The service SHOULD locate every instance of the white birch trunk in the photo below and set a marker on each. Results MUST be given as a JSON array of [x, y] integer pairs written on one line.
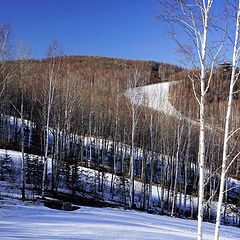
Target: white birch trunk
[[201, 153], [46, 150], [151, 162], [22, 153], [131, 200], [49, 106], [176, 172], [227, 125]]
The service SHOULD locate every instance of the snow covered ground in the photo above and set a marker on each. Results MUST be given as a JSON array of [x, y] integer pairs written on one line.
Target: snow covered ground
[[29, 221], [155, 96], [33, 221], [13, 190]]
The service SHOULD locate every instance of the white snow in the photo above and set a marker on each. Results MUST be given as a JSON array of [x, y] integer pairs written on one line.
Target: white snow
[[7, 191], [155, 96], [29, 221]]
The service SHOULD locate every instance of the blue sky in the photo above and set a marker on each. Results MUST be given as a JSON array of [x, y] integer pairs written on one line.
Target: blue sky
[[125, 29]]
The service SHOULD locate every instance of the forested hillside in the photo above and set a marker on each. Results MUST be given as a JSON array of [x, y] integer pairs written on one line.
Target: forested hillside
[[120, 120], [81, 88], [216, 99], [82, 137], [101, 144]]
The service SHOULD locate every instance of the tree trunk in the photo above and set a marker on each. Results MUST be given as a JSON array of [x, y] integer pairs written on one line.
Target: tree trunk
[[22, 152], [227, 125]]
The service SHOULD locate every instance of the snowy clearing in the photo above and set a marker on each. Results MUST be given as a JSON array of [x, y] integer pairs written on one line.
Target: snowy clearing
[[29, 221], [155, 96]]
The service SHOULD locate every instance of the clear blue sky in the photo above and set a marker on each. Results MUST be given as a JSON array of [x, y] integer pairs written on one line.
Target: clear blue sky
[[124, 29]]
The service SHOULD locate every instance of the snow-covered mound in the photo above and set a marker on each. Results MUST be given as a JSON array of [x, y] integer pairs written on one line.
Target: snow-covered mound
[[29, 221]]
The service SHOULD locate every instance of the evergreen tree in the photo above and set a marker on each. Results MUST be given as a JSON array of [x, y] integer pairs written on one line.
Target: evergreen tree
[[6, 166], [34, 171]]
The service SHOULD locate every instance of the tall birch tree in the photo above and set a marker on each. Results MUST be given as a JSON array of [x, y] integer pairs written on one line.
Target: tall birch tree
[[53, 69], [23, 68], [136, 100], [193, 19], [4, 56], [228, 134]]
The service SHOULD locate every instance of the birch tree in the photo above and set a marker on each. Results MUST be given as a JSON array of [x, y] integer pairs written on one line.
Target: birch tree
[[49, 93], [24, 64], [179, 137], [4, 56], [193, 19], [227, 161], [136, 100]]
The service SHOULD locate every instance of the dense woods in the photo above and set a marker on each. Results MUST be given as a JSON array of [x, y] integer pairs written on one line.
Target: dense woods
[[216, 98], [75, 112]]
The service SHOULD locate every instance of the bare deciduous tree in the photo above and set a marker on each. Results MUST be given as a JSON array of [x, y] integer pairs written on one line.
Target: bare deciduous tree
[[54, 62], [136, 100], [4, 56], [227, 158], [24, 65], [193, 18]]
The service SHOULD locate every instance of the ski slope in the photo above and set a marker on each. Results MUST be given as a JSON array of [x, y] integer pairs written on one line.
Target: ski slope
[[155, 96], [33, 221]]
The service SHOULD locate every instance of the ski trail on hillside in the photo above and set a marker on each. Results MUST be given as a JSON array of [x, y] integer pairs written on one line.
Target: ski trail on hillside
[[156, 96]]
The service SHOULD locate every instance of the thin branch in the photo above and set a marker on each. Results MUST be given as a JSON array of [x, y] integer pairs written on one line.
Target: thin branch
[[232, 161]]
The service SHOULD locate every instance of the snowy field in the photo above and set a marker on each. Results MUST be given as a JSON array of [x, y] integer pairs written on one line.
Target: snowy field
[[29, 221]]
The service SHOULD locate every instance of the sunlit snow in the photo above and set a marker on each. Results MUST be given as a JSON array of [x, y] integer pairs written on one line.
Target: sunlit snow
[[30, 221]]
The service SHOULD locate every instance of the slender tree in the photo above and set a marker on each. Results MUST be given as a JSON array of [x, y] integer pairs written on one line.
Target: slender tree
[[24, 66], [228, 134], [54, 63], [4, 56], [136, 100], [194, 18]]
